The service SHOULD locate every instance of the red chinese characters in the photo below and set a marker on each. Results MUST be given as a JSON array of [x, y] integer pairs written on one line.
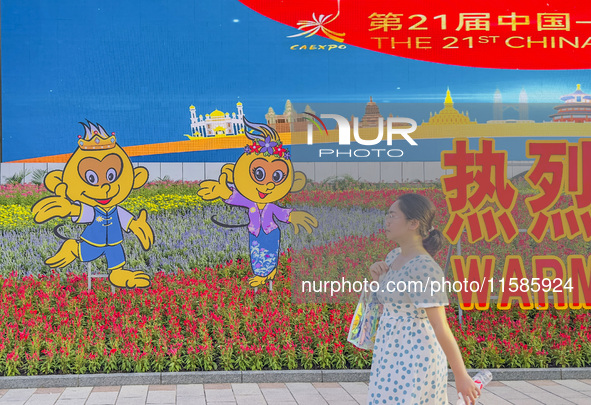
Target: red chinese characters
[[559, 167], [477, 186]]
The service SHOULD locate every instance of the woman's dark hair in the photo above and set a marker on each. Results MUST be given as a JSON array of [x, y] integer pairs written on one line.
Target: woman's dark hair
[[416, 206]]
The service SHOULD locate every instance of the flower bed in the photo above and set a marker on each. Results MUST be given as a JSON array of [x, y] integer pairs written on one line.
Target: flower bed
[[184, 239], [200, 320], [208, 318]]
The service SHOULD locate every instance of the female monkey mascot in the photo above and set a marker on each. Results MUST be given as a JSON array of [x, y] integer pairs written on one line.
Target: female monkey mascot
[[262, 175]]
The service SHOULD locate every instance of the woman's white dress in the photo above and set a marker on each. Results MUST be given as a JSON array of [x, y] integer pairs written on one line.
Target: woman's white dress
[[408, 365]]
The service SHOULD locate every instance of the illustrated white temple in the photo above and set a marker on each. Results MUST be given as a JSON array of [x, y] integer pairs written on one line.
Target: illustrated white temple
[[216, 123]]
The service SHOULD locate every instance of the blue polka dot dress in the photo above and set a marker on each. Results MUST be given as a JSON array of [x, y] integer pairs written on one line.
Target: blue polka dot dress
[[408, 365]]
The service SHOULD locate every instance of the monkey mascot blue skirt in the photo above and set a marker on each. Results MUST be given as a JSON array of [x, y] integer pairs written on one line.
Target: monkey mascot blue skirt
[[264, 252]]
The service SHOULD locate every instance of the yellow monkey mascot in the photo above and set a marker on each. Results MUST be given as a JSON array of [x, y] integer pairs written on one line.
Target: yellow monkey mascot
[[262, 175], [96, 179]]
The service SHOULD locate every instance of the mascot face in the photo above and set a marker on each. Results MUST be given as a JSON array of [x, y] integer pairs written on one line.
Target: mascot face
[[101, 178], [263, 179]]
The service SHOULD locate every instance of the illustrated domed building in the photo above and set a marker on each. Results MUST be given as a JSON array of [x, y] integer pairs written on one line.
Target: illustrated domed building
[[216, 123], [290, 120], [576, 107], [449, 115]]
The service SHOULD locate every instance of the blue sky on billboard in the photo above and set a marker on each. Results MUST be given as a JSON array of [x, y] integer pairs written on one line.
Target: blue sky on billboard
[[136, 69]]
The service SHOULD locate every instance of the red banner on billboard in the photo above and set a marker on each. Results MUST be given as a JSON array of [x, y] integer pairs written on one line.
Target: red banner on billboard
[[502, 34]]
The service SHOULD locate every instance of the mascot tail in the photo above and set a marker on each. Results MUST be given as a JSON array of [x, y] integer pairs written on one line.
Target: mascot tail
[[215, 221]]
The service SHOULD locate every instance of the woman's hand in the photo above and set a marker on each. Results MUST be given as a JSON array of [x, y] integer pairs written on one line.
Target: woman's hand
[[377, 269], [466, 386]]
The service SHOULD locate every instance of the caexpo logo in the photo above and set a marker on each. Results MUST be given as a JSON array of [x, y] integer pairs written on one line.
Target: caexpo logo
[[398, 126], [312, 27]]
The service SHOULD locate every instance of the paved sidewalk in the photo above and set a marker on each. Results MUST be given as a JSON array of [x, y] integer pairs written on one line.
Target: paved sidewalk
[[346, 393]]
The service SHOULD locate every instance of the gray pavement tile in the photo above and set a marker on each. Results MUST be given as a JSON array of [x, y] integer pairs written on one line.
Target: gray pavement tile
[[161, 397], [306, 393], [70, 402], [537, 393], [272, 385], [102, 398], [491, 399], [275, 395], [130, 401], [43, 399], [189, 390], [190, 401], [219, 395], [301, 388], [246, 389], [542, 383], [19, 393], [311, 400], [562, 391], [508, 393], [222, 403], [488, 398], [76, 393], [250, 399], [575, 385], [452, 394], [133, 391], [334, 394], [284, 403], [581, 400], [339, 402], [360, 398], [327, 385], [17, 396], [355, 387]]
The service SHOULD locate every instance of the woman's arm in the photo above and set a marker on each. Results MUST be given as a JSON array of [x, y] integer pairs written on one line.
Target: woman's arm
[[446, 339]]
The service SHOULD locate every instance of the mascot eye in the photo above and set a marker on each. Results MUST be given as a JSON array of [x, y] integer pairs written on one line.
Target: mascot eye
[[111, 175], [278, 175], [259, 173], [91, 177]]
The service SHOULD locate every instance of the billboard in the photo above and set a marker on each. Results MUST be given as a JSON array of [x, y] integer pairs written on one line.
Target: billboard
[[175, 81]]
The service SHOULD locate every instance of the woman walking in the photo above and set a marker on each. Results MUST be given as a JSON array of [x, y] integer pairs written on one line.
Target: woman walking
[[414, 342]]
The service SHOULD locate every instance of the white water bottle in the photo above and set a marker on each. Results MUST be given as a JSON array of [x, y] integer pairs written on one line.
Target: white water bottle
[[481, 379]]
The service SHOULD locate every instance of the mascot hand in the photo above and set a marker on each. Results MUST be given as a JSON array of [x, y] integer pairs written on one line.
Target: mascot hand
[[53, 206], [211, 189], [142, 230], [304, 219]]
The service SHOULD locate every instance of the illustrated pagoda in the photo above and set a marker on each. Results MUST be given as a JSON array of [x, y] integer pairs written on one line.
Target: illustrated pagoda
[[576, 107]]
